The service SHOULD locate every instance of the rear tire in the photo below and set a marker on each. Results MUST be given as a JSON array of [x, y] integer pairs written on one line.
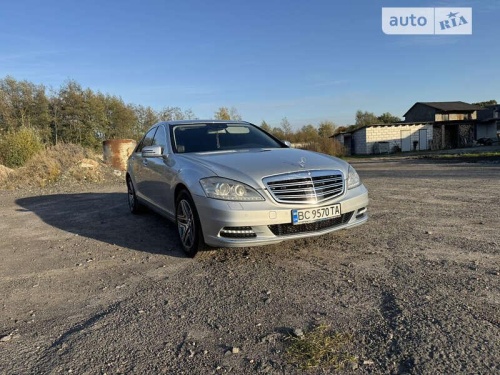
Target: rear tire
[[188, 224], [133, 203]]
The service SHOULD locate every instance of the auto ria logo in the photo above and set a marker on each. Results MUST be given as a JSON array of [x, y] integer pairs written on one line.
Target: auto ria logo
[[427, 21]]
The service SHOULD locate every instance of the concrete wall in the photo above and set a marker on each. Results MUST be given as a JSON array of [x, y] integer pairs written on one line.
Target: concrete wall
[[359, 142], [486, 130], [340, 138], [393, 135]]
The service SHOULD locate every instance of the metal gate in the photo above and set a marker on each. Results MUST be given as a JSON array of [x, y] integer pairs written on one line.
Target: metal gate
[[405, 140], [422, 139]]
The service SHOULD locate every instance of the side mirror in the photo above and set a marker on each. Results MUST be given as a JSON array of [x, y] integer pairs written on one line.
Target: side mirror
[[287, 143], [151, 152]]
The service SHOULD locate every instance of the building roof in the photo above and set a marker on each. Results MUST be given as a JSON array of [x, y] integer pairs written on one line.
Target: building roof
[[383, 124], [448, 106]]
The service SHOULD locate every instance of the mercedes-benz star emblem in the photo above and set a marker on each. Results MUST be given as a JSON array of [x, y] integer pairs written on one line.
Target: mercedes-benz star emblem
[[302, 162]]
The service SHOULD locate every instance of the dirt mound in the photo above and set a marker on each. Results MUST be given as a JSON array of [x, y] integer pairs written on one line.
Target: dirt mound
[[4, 172], [59, 164]]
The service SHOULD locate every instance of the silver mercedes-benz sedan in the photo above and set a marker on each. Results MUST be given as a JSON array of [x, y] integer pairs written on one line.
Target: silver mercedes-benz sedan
[[231, 184]]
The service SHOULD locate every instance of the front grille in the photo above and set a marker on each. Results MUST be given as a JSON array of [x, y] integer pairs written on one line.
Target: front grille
[[287, 229], [306, 187]]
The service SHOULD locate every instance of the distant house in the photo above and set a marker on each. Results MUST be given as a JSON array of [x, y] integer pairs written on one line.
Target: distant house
[[454, 123], [427, 126]]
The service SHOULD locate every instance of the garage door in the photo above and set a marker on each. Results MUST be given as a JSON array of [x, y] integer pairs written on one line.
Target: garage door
[[422, 139], [405, 140]]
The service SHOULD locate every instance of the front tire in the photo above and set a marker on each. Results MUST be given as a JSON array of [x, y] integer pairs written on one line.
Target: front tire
[[188, 224]]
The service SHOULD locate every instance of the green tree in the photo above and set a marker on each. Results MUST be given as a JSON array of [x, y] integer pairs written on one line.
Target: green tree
[[326, 129], [388, 118], [94, 119], [6, 110], [486, 103], [121, 118], [71, 127], [278, 133], [175, 114], [54, 108], [171, 114], [365, 118], [189, 114], [24, 104], [265, 126], [146, 117], [224, 113], [340, 129], [307, 134], [287, 129]]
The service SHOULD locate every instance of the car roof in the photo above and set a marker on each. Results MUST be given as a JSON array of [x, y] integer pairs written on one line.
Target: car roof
[[194, 122]]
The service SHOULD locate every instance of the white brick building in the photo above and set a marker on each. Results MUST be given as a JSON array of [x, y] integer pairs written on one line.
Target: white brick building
[[384, 138]]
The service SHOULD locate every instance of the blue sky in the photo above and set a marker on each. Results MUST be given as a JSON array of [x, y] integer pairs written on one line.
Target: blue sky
[[305, 60]]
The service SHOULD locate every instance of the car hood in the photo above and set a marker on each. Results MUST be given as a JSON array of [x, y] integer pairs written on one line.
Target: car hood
[[250, 166]]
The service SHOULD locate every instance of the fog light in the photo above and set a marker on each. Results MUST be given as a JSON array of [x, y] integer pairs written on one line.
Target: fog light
[[360, 213]]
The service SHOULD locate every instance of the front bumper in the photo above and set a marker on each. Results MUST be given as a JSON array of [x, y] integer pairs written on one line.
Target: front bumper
[[241, 224]]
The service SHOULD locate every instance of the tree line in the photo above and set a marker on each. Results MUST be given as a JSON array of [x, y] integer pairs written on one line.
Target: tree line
[[364, 118], [72, 114]]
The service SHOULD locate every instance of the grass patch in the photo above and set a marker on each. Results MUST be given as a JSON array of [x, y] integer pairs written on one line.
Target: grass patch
[[320, 347], [16, 148], [467, 155], [442, 154]]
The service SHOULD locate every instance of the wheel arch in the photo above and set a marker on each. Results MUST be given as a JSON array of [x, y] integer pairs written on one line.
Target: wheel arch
[[181, 187]]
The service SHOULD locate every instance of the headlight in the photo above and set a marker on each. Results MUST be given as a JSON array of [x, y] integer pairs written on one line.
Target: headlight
[[353, 179], [229, 190]]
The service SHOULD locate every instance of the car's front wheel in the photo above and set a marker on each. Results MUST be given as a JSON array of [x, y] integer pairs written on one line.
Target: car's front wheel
[[188, 224]]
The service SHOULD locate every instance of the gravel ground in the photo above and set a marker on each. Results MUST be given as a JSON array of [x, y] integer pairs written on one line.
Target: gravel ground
[[88, 288]]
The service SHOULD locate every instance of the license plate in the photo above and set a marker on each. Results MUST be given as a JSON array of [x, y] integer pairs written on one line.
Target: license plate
[[309, 215]]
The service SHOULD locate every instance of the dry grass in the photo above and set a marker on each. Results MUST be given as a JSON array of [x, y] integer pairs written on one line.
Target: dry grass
[[320, 347], [60, 163], [326, 146], [4, 172]]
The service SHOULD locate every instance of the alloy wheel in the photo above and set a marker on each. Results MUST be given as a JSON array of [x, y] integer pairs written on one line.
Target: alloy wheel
[[186, 223]]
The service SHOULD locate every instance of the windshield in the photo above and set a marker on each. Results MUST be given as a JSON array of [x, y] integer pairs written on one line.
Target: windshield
[[220, 137]]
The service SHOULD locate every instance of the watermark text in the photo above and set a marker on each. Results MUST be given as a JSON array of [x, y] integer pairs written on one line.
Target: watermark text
[[427, 21]]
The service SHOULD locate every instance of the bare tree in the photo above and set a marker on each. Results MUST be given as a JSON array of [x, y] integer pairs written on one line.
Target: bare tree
[[224, 113]]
